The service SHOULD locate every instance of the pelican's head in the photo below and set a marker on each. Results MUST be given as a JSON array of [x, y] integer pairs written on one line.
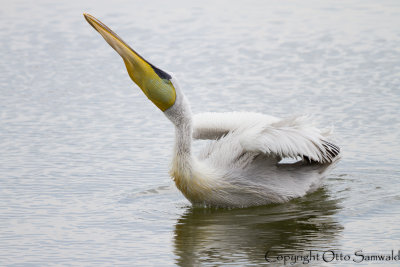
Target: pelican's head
[[155, 83]]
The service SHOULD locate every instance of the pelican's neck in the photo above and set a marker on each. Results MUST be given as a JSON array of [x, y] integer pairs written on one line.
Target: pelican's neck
[[181, 116], [183, 139]]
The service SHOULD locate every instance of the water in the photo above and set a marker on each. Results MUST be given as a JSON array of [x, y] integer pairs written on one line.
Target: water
[[85, 156]]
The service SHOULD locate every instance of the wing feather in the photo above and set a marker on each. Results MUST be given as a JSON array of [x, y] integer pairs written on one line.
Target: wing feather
[[291, 137]]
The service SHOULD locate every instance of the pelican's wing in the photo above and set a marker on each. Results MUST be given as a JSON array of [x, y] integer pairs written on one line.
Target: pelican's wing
[[214, 125], [292, 137]]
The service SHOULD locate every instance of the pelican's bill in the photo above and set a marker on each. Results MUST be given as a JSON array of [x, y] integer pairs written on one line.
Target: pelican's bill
[[154, 82]]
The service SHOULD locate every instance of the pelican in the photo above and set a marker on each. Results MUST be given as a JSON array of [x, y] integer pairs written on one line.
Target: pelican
[[241, 165]]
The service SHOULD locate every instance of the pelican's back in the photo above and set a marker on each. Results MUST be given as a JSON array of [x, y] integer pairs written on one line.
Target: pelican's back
[[254, 176]]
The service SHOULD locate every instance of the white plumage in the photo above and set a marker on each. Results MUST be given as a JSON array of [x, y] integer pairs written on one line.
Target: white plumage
[[291, 137], [240, 165]]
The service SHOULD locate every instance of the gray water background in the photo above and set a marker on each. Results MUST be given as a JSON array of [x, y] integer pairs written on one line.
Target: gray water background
[[84, 156]]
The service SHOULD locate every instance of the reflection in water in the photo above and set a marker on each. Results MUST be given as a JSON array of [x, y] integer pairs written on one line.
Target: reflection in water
[[223, 236]]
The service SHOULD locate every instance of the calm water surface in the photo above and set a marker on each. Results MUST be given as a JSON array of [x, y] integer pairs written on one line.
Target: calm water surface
[[84, 155]]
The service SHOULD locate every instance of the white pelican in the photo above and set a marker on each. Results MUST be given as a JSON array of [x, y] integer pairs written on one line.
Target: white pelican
[[240, 166]]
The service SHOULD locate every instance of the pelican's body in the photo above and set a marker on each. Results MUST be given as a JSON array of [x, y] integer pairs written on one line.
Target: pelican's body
[[240, 165]]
